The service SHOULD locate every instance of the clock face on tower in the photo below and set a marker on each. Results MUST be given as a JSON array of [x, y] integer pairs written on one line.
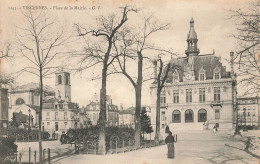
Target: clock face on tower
[[188, 76]]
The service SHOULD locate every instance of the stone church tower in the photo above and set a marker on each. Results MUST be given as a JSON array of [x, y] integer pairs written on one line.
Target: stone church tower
[[62, 86]]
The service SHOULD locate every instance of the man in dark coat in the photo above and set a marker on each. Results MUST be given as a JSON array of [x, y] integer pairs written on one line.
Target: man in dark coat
[[170, 145]]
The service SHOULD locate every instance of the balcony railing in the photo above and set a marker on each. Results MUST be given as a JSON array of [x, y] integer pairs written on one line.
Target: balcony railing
[[216, 103]]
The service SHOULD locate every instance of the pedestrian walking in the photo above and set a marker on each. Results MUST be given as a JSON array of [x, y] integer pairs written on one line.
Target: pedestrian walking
[[170, 145]]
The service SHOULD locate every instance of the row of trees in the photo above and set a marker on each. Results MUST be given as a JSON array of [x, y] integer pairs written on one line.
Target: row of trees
[[117, 45]]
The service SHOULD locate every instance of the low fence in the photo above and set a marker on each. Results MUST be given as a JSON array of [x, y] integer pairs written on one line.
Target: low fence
[[32, 157], [32, 138], [113, 146]]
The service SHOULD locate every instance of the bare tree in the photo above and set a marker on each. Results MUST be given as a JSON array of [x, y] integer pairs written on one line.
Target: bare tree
[[5, 51], [95, 54], [247, 55], [132, 46], [39, 42], [160, 80]]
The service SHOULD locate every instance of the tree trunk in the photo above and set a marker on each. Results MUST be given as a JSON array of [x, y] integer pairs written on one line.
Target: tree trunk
[[138, 98], [157, 131], [40, 118], [102, 114]]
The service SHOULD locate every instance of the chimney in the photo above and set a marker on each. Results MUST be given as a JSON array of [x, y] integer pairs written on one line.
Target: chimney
[[232, 64]]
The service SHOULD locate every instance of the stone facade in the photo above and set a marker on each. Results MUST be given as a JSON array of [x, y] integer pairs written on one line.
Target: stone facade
[[248, 111], [3, 108], [198, 92]]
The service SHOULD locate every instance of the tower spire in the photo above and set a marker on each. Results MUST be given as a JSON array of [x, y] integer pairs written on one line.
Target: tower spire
[[192, 49]]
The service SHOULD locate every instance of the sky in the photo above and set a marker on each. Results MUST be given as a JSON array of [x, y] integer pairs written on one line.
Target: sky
[[212, 24]]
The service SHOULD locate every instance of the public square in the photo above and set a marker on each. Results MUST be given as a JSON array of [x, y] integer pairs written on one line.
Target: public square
[[192, 147]]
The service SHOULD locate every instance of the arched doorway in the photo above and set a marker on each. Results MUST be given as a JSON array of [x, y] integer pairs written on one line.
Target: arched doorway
[[176, 116], [189, 115], [202, 115]]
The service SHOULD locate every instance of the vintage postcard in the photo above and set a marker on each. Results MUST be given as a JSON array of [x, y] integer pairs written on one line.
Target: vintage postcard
[[129, 82]]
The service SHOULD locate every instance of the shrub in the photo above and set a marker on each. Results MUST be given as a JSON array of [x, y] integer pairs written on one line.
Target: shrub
[[7, 149], [91, 133]]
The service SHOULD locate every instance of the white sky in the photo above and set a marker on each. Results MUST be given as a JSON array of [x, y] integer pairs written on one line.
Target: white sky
[[212, 25]]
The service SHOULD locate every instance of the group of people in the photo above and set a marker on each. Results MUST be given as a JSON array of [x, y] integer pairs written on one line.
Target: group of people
[[215, 128]]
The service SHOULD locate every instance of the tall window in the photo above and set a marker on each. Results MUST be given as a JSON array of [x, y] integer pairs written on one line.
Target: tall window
[[202, 76], [163, 118], [67, 79], [217, 114], [176, 116], [216, 75], [59, 79], [216, 93], [202, 94], [176, 96], [65, 115], [163, 99], [189, 115], [56, 115], [202, 115], [188, 95]]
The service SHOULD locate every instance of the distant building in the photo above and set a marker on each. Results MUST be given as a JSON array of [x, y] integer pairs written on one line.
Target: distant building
[[90, 113], [248, 111], [198, 89], [3, 108], [127, 116], [58, 112]]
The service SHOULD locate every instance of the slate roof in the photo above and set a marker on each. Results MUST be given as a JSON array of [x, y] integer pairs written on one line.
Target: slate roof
[[33, 87], [50, 103], [20, 118], [209, 62], [94, 105], [192, 34]]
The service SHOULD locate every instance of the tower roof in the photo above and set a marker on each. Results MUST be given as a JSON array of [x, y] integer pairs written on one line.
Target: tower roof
[[192, 34]]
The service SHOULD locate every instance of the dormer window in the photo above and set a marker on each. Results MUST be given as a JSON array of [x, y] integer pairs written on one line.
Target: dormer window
[[217, 73], [176, 76], [202, 74]]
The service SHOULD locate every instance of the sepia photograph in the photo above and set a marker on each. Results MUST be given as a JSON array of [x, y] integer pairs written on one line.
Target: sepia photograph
[[130, 82]]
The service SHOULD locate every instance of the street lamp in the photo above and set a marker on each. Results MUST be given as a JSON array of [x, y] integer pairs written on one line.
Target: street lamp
[[29, 119]]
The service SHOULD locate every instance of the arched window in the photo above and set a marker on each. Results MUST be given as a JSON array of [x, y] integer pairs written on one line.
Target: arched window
[[189, 115], [59, 79], [19, 101], [202, 115], [176, 116]]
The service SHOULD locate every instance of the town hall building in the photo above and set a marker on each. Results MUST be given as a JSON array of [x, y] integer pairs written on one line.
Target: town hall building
[[197, 94]]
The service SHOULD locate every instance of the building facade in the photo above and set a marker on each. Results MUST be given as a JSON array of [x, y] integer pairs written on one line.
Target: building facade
[[90, 113], [58, 112], [198, 91], [3, 108], [248, 112]]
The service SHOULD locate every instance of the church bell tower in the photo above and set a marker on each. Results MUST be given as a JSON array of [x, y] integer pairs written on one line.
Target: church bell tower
[[62, 86]]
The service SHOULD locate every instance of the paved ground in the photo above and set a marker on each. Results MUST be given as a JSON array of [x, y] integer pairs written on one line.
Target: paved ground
[[196, 147]]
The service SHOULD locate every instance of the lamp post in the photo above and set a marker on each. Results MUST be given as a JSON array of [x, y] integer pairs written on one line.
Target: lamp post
[[29, 119], [245, 129]]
